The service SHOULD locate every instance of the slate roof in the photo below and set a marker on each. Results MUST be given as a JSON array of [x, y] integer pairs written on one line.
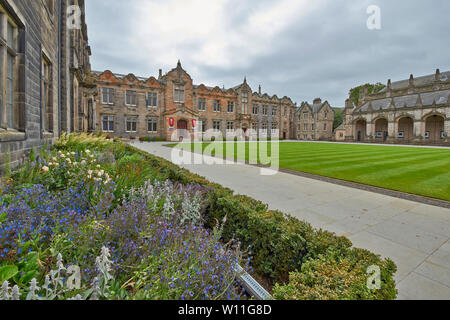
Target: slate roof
[[419, 81], [408, 101]]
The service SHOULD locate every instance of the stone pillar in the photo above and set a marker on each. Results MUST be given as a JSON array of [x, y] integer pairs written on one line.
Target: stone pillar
[[370, 131], [392, 132], [419, 131], [447, 131]]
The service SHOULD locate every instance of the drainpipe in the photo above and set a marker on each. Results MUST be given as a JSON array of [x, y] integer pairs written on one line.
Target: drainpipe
[[59, 66]]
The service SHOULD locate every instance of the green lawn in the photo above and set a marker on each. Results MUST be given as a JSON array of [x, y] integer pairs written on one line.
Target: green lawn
[[419, 171]]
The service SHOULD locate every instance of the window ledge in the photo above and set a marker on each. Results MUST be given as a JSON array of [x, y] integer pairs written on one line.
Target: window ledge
[[7, 136], [48, 135]]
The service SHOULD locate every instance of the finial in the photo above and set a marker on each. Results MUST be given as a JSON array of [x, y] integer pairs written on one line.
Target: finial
[[179, 64]]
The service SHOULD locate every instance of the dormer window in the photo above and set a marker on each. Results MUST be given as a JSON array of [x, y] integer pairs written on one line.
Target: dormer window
[[178, 93]]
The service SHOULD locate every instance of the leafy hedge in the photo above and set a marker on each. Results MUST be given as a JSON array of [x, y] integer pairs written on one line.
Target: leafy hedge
[[305, 262]]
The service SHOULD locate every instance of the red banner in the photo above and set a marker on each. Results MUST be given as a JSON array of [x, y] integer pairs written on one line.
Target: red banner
[[171, 122], [194, 123]]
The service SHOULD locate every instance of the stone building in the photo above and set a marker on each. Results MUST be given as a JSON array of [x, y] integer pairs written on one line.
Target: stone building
[[339, 133], [416, 110], [32, 72], [314, 122], [134, 107]]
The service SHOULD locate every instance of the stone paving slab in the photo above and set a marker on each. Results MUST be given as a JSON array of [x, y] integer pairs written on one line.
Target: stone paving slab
[[415, 236]]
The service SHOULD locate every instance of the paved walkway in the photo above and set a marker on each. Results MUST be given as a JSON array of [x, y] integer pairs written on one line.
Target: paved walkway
[[415, 236]]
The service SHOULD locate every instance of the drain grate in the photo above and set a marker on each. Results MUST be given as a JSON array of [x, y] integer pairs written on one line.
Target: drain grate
[[252, 286]]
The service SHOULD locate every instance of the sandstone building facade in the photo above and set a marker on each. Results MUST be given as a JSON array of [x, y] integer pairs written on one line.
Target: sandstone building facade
[[172, 107], [314, 122], [416, 111], [39, 53]]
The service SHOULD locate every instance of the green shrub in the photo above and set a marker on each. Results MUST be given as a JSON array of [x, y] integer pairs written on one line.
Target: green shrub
[[337, 277], [281, 244]]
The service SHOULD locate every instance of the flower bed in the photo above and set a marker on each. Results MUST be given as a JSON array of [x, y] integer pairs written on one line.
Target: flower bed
[[125, 231], [131, 209]]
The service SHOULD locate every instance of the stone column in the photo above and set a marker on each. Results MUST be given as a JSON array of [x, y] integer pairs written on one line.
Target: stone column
[[370, 131], [392, 132]]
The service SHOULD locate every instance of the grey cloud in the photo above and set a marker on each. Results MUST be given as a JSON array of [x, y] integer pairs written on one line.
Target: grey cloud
[[322, 54]]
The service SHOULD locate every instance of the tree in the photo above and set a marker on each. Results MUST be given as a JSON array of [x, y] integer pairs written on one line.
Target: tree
[[355, 93]]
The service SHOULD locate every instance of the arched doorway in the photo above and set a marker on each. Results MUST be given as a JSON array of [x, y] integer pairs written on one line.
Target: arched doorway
[[182, 129], [361, 129], [434, 129], [405, 129], [381, 130]]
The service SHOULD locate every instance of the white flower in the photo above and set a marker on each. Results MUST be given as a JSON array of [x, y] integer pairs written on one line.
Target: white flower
[[15, 294], [45, 169], [83, 162], [4, 291]]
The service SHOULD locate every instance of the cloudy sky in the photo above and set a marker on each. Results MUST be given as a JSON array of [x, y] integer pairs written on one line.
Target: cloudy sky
[[299, 48]]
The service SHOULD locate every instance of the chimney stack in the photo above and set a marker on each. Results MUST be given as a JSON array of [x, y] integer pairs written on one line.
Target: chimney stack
[[438, 75], [411, 80], [160, 73], [259, 90], [389, 84]]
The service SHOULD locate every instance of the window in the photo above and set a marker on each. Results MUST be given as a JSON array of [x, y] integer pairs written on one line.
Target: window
[[274, 127], [285, 111], [305, 127], [230, 126], [47, 96], [326, 115], [230, 107], [202, 125], [178, 93], [131, 124], [152, 100], [216, 126], [274, 111], [264, 126], [201, 104], [107, 95], [152, 125], [108, 123], [7, 71], [255, 109], [216, 106], [305, 115], [324, 127], [265, 110], [255, 126], [401, 134], [244, 102], [313, 127], [130, 98]]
